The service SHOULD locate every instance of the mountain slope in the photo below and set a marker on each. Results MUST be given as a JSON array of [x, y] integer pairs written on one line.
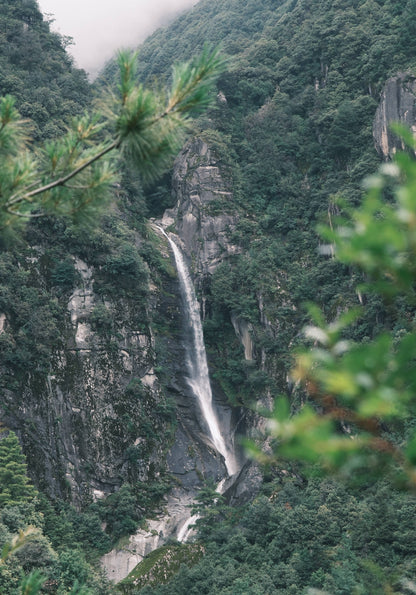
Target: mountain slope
[[37, 71], [294, 127], [93, 378]]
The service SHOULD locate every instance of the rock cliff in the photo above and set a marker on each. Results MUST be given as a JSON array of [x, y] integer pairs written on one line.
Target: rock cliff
[[111, 403], [203, 221], [397, 104], [203, 234], [200, 217], [94, 419]]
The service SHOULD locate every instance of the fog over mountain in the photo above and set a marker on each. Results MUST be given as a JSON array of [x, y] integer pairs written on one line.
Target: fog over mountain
[[99, 27]]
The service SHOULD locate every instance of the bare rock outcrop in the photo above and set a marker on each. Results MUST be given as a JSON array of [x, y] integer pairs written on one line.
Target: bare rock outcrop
[[81, 421], [203, 220], [398, 104], [200, 216]]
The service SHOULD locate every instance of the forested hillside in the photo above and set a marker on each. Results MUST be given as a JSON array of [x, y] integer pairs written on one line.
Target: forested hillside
[[44, 284], [295, 126], [90, 326], [37, 71]]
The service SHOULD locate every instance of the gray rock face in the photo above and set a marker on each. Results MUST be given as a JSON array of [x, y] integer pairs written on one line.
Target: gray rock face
[[81, 425], [244, 330], [201, 222], [120, 562], [85, 431], [203, 233], [200, 216], [203, 228], [397, 104]]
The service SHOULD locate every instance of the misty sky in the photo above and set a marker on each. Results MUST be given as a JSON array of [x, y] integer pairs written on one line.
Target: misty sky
[[99, 27]]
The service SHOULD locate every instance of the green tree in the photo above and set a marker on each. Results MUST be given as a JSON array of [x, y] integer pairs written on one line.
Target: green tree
[[209, 508], [120, 512], [15, 485]]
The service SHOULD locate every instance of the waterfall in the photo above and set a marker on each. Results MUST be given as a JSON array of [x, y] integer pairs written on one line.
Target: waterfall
[[176, 519], [198, 374], [187, 528]]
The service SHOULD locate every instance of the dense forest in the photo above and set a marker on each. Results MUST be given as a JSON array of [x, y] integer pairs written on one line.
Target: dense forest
[[291, 130], [301, 93]]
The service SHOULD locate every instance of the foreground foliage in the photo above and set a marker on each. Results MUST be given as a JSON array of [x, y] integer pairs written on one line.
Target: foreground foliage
[[363, 420], [72, 175]]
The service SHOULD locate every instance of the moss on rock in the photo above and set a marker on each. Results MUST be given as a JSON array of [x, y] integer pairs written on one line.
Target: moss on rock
[[161, 565]]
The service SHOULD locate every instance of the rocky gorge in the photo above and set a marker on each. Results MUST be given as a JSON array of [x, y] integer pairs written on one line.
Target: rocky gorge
[[97, 330], [82, 448], [70, 419]]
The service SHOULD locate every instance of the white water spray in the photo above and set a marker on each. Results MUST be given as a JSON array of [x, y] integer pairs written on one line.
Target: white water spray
[[198, 378], [187, 528]]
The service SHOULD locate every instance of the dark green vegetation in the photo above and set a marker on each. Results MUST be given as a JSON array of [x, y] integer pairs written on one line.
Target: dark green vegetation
[[37, 71], [294, 133], [14, 483], [296, 536], [368, 386], [302, 87], [37, 546], [161, 565]]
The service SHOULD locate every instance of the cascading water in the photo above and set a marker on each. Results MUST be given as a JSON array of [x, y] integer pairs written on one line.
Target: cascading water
[[175, 519], [198, 375]]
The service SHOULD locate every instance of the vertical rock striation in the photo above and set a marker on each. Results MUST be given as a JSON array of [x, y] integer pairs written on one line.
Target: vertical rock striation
[[397, 104], [200, 216], [84, 423]]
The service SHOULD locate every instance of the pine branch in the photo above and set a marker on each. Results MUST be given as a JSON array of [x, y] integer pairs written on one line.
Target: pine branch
[[60, 181], [143, 131]]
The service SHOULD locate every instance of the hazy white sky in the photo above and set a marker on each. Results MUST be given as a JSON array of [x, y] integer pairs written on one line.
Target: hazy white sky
[[99, 27]]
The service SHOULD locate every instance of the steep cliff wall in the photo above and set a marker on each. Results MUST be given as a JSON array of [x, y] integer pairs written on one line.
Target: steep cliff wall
[[203, 220], [94, 416], [104, 398], [203, 234], [200, 217], [397, 104]]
